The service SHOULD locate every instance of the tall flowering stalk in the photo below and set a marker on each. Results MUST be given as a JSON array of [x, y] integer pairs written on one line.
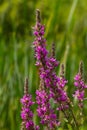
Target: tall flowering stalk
[[53, 85], [26, 112], [46, 64]]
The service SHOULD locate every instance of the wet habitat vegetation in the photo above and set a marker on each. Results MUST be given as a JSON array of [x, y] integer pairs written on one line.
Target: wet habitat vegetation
[[66, 29]]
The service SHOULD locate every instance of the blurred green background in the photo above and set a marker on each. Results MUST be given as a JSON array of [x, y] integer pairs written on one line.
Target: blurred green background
[[66, 25]]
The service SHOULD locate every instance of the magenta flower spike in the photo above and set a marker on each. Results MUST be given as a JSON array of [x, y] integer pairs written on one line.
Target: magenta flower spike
[[47, 64], [80, 86], [62, 94], [26, 112]]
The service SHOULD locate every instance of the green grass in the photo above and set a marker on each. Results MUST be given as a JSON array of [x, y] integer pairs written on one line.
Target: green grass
[[66, 25]]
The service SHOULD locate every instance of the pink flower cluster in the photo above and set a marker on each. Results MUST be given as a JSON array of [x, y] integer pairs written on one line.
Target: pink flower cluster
[[27, 114], [44, 110], [80, 89]]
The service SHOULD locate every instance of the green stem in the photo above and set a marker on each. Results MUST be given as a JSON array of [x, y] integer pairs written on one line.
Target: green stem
[[75, 122], [67, 118]]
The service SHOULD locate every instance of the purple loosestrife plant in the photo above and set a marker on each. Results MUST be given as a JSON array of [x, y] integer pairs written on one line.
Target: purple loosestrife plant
[[51, 87], [26, 112]]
